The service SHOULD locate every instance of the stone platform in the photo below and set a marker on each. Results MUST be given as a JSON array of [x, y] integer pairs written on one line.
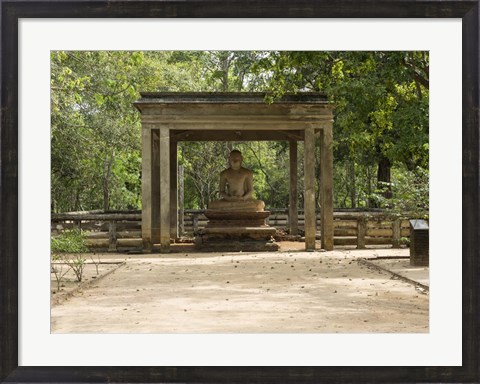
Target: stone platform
[[236, 231], [220, 218]]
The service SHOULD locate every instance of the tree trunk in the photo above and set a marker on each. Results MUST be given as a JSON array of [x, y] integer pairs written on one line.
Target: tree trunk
[[383, 177], [77, 199], [106, 181], [225, 66], [353, 189], [370, 201]]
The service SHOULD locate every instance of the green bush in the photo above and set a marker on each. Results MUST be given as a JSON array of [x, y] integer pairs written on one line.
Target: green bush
[[62, 248], [72, 241]]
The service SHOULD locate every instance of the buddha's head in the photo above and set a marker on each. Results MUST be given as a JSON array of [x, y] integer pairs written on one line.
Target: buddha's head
[[235, 159]]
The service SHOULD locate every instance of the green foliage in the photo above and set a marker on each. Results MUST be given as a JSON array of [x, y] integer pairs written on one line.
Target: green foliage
[[68, 249], [202, 163], [381, 99], [380, 128], [93, 123], [354, 184], [381, 115], [72, 241], [267, 160], [410, 192]]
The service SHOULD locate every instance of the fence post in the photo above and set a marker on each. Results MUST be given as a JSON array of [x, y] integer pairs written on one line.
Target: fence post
[[361, 231], [195, 223], [112, 236], [396, 233]]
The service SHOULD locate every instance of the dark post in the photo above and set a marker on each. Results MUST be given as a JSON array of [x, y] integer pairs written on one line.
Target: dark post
[[419, 243], [361, 231], [195, 223], [396, 233], [112, 236]]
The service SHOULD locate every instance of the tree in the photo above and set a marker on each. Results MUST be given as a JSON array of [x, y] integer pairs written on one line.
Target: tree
[[92, 123], [95, 133], [381, 100], [380, 128]]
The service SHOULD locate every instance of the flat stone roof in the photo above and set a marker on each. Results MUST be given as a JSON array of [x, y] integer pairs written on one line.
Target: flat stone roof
[[229, 97]]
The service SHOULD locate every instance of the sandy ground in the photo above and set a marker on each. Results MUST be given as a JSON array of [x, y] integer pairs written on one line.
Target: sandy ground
[[279, 292], [403, 268]]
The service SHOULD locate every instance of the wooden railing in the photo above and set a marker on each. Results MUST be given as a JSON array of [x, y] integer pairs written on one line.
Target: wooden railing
[[112, 231], [117, 231]]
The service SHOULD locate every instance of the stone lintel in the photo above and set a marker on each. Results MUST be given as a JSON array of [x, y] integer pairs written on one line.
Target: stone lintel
[[229, 97]]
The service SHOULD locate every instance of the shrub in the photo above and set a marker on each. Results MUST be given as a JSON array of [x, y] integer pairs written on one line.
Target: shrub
[[68, 248], [72, 241]]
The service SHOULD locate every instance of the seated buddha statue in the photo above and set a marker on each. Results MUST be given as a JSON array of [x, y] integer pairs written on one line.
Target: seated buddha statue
[[236, 188]]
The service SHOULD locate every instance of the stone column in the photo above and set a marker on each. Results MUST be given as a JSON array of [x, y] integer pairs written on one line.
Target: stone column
[[164, 178], [173, 191], [326, 191], [155, 186], [293, 196], [309, 205], [181, 202], [147, 189]]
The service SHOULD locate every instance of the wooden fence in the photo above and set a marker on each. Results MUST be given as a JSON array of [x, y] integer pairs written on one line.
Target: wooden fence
[[120, 231], [112, 231]]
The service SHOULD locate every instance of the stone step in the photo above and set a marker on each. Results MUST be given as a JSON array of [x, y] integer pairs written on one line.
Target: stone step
[[240, 230]]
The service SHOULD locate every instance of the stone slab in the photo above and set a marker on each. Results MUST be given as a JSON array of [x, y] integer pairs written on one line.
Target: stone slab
[[240, 230], [213, 214], [235, 223]]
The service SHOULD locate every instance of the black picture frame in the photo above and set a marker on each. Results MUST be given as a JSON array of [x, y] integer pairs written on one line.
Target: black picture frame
[[12, 11]]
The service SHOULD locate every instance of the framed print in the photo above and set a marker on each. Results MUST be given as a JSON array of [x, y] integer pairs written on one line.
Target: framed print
[[202, 358]]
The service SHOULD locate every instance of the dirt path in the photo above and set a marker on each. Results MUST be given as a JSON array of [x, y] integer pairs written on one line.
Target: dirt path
[[289, 292]]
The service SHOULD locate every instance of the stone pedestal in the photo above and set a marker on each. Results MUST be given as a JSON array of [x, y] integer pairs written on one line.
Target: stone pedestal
[[236, 231]]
